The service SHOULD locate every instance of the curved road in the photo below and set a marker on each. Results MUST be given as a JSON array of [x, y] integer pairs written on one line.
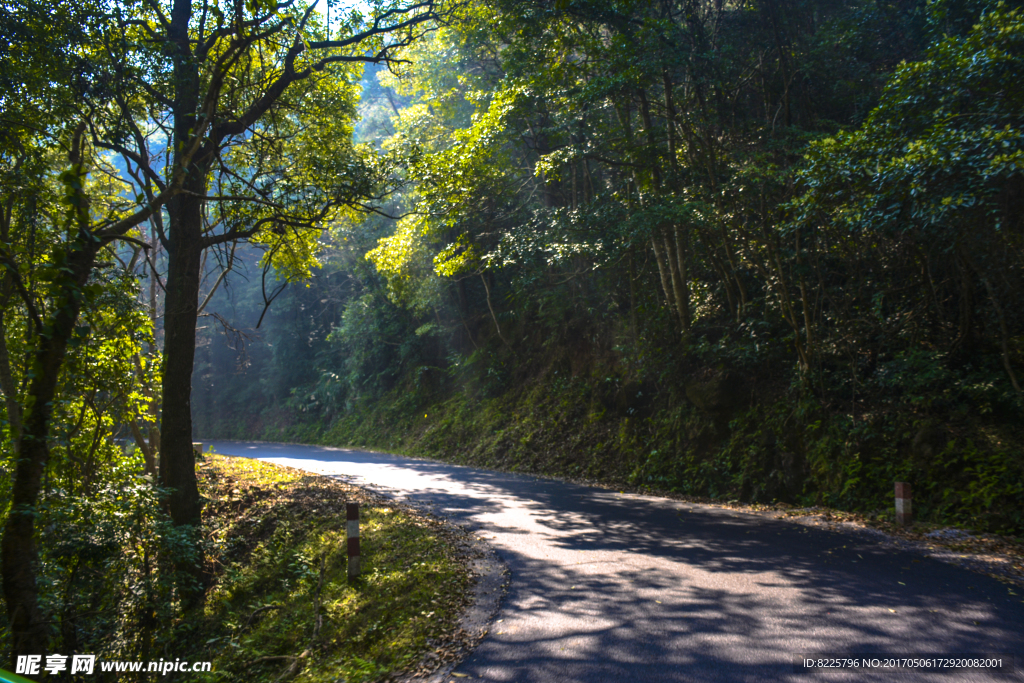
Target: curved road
[[613, 588]]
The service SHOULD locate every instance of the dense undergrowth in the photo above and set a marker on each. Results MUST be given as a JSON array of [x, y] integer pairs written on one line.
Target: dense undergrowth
[[714, 433]]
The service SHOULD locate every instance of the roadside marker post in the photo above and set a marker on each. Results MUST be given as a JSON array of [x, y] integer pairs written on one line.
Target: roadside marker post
[[904, 509], [352, 518]]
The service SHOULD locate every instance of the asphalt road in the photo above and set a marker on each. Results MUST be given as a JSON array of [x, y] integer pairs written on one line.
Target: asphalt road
[[614, 588]]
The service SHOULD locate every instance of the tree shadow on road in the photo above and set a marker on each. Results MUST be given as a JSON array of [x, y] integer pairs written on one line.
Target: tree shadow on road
[[633, 587]]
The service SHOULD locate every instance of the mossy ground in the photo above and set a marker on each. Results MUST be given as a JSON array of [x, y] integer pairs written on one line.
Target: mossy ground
[[282, 607]]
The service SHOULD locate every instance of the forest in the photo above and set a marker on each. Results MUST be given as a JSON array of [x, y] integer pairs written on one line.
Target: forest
[[754, 250], [761, 252]]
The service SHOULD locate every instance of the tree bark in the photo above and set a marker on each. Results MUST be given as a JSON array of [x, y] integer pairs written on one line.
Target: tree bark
[[181, 310], [181, 303], [147, 451], [663, 271], [1004, 335], [494, 317], [679, 288], [28, 621], [682, 251], [9, 389]]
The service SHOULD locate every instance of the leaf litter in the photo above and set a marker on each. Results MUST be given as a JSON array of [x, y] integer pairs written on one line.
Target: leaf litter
[[281, 606]]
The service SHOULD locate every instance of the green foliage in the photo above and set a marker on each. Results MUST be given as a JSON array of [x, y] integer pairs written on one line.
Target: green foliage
[[941, 146], [107, 566], [73, 369], [284, 564], [100, 575]]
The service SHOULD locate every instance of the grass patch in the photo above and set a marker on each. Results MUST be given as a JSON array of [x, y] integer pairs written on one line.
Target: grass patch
[[282, 607]]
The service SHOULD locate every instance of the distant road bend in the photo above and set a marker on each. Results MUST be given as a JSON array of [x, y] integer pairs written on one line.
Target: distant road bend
[[613, 588]]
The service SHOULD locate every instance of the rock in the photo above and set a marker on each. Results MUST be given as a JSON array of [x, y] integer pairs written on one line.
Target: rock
[[949, 534]]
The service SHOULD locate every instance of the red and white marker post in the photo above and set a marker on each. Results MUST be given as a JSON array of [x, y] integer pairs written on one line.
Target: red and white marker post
[[904, 511], [352, 518]]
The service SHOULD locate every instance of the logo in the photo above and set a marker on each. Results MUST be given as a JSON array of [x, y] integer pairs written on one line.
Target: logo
[[8, 677]]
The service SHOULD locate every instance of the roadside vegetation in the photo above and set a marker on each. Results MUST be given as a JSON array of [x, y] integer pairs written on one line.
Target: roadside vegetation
[[279, 605], [282, 607]]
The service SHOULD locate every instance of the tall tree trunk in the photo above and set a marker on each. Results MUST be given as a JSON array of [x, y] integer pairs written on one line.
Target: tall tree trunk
[[1004, 335], [28, 621], [783, 64], [663, 271], [490, 307], [181, 310], [181, 302], [965, 324], [652, 144], [786, 302], [154, 429], [680, 291], [670, 127], [682, 251], [7, 383], [804, 299], [632, 298], [9, 388]]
